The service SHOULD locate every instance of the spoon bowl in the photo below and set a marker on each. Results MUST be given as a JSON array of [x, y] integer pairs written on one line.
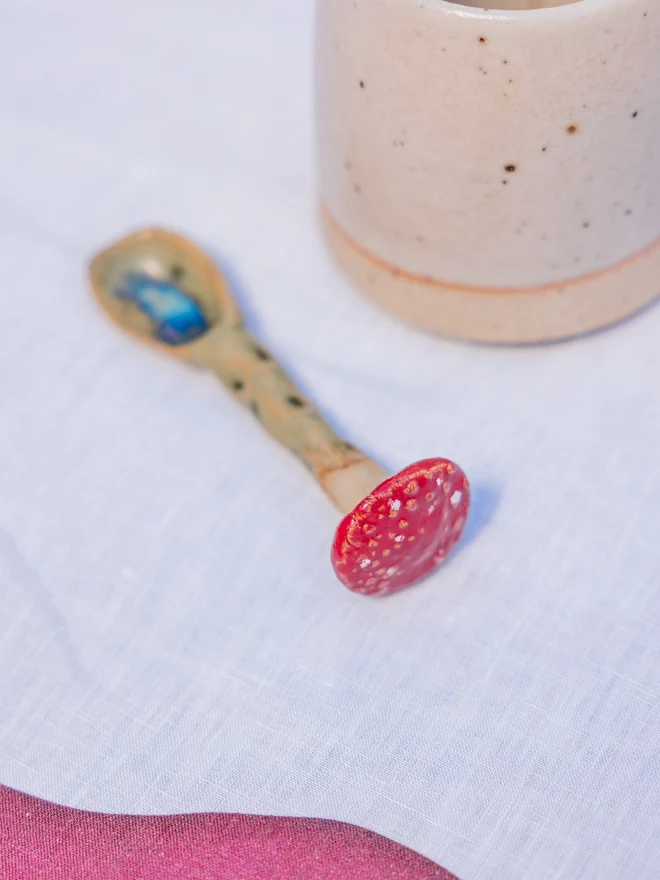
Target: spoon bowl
[[163, 289]]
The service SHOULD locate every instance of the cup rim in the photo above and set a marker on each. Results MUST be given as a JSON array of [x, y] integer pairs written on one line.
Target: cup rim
[[574, 8]]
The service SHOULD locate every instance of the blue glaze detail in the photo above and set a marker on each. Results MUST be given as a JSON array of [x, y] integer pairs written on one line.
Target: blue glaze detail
[[176, 315]]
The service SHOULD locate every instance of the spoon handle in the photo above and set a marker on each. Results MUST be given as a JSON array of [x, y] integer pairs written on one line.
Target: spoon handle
[[255, 378]]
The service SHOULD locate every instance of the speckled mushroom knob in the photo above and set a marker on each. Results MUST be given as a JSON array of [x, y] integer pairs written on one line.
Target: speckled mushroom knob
[[163, 289], [403, 529]]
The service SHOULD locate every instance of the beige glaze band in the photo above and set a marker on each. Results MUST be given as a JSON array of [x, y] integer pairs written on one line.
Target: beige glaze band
[[498, 314]]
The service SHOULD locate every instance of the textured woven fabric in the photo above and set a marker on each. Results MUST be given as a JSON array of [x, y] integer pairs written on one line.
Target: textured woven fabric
[[46, 841], [502, 718]]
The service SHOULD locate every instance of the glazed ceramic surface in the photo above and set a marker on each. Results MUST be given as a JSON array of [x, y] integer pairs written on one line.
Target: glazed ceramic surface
[[164, 290], [493, 173]]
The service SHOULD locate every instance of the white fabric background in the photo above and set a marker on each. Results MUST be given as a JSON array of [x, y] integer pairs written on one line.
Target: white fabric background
[[503, 718]]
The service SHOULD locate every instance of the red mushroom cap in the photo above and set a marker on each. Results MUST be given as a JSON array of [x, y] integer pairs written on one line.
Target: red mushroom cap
[[403, 529]]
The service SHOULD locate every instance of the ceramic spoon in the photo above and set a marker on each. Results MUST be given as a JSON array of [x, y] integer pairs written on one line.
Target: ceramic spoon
[[161, 288]]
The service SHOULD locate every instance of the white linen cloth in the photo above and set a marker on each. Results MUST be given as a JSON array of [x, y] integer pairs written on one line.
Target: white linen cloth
[[172, 637]]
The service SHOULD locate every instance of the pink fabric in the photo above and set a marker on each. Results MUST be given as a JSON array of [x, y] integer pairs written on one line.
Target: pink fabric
[[41, 840]]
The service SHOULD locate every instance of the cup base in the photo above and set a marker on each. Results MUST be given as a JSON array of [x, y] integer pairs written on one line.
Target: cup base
[[499, 315]]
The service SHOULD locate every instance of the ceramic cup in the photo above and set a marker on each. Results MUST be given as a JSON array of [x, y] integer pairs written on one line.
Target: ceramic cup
[[493, 174]]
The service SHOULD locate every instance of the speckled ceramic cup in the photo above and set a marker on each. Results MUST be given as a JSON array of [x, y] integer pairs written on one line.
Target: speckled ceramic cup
[[493, 174]]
